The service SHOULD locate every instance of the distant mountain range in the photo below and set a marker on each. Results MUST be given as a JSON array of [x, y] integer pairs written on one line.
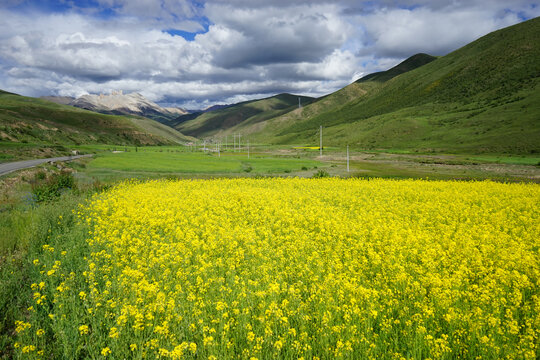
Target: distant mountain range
[[121, 104], [224, 118]]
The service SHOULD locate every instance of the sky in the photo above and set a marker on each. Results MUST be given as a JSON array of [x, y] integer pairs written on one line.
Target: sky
[[196, 53]]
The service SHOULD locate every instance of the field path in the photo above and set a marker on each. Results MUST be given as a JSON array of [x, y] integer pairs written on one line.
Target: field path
[[6, 168]]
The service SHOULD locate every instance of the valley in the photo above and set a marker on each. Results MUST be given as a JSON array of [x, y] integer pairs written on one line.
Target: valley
[[393, 215]]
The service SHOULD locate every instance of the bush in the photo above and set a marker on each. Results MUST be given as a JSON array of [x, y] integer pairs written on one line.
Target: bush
[[52, 187], [41, 175], [321, 174]]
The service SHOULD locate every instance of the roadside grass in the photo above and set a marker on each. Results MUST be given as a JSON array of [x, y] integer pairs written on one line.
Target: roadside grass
[[25, 232], [25, 227], [15, 151]]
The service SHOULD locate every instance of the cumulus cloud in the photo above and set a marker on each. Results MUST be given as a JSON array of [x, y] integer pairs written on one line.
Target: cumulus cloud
[[275, 35], [400, 32], [240, 49]]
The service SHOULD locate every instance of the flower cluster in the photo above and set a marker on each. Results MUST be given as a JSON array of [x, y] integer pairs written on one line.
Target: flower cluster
[[300, 268]]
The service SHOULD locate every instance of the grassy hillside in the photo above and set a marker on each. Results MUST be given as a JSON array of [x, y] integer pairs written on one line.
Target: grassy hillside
[[25, 119], [32, 127], [411, 63], [484, 97], [233, 118]]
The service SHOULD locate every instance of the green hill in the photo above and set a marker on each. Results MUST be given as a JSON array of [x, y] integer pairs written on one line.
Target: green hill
[[235, 117], [484, 97], [31, 127], [411, 63], [31, 120]]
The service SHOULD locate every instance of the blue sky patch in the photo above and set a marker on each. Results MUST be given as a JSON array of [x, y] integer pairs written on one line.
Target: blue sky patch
[[190, 36]]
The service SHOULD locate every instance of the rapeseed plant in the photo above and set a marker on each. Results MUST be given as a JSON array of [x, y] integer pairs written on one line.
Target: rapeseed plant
[[296, 268]]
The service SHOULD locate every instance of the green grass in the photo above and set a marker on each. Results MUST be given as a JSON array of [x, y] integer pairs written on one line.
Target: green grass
[[519, 160], [155, 162], [24, 228]]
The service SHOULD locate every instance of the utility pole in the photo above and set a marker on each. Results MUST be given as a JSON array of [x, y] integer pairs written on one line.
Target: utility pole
[[239, 143], [299, 103], [347, 158], [320, 145], [234, 142], [248, 148]]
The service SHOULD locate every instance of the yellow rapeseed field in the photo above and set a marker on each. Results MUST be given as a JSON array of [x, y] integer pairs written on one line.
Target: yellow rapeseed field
[[295, 269]]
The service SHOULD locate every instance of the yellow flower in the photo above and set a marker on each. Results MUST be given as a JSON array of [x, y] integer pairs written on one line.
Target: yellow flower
[[113, 333], [332, 267], [105, 351], [21, 326], [83, 329], [28, 349], [207, 340]]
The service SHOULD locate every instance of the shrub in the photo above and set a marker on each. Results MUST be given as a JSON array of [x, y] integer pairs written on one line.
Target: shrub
[[41, 175], [321, 174], [52, 187]]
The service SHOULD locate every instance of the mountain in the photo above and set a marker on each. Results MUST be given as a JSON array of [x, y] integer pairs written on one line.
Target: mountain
[[411, 63], [121, 104], [233, 118], [215, 107], [29, 120], [481, 98]]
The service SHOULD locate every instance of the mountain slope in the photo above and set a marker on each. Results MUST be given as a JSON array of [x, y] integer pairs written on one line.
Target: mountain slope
[[234, 117], [31, 120], [484, 97], [411, 63], [118, 103]]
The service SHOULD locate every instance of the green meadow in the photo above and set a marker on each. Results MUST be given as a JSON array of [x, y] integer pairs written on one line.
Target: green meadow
[[153, 162]]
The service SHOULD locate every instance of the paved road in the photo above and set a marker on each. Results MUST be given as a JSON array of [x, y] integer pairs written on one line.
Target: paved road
[[6, 168]]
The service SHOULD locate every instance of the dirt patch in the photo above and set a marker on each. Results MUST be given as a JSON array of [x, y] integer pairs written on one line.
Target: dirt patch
[[447, 166], [5, 136]]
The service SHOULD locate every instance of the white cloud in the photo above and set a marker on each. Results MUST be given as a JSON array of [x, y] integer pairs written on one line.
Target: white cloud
[[402, 32], [250, 49]]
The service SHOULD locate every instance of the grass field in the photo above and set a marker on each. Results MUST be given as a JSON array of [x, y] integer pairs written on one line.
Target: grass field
[[169, 161], [290, 268]]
